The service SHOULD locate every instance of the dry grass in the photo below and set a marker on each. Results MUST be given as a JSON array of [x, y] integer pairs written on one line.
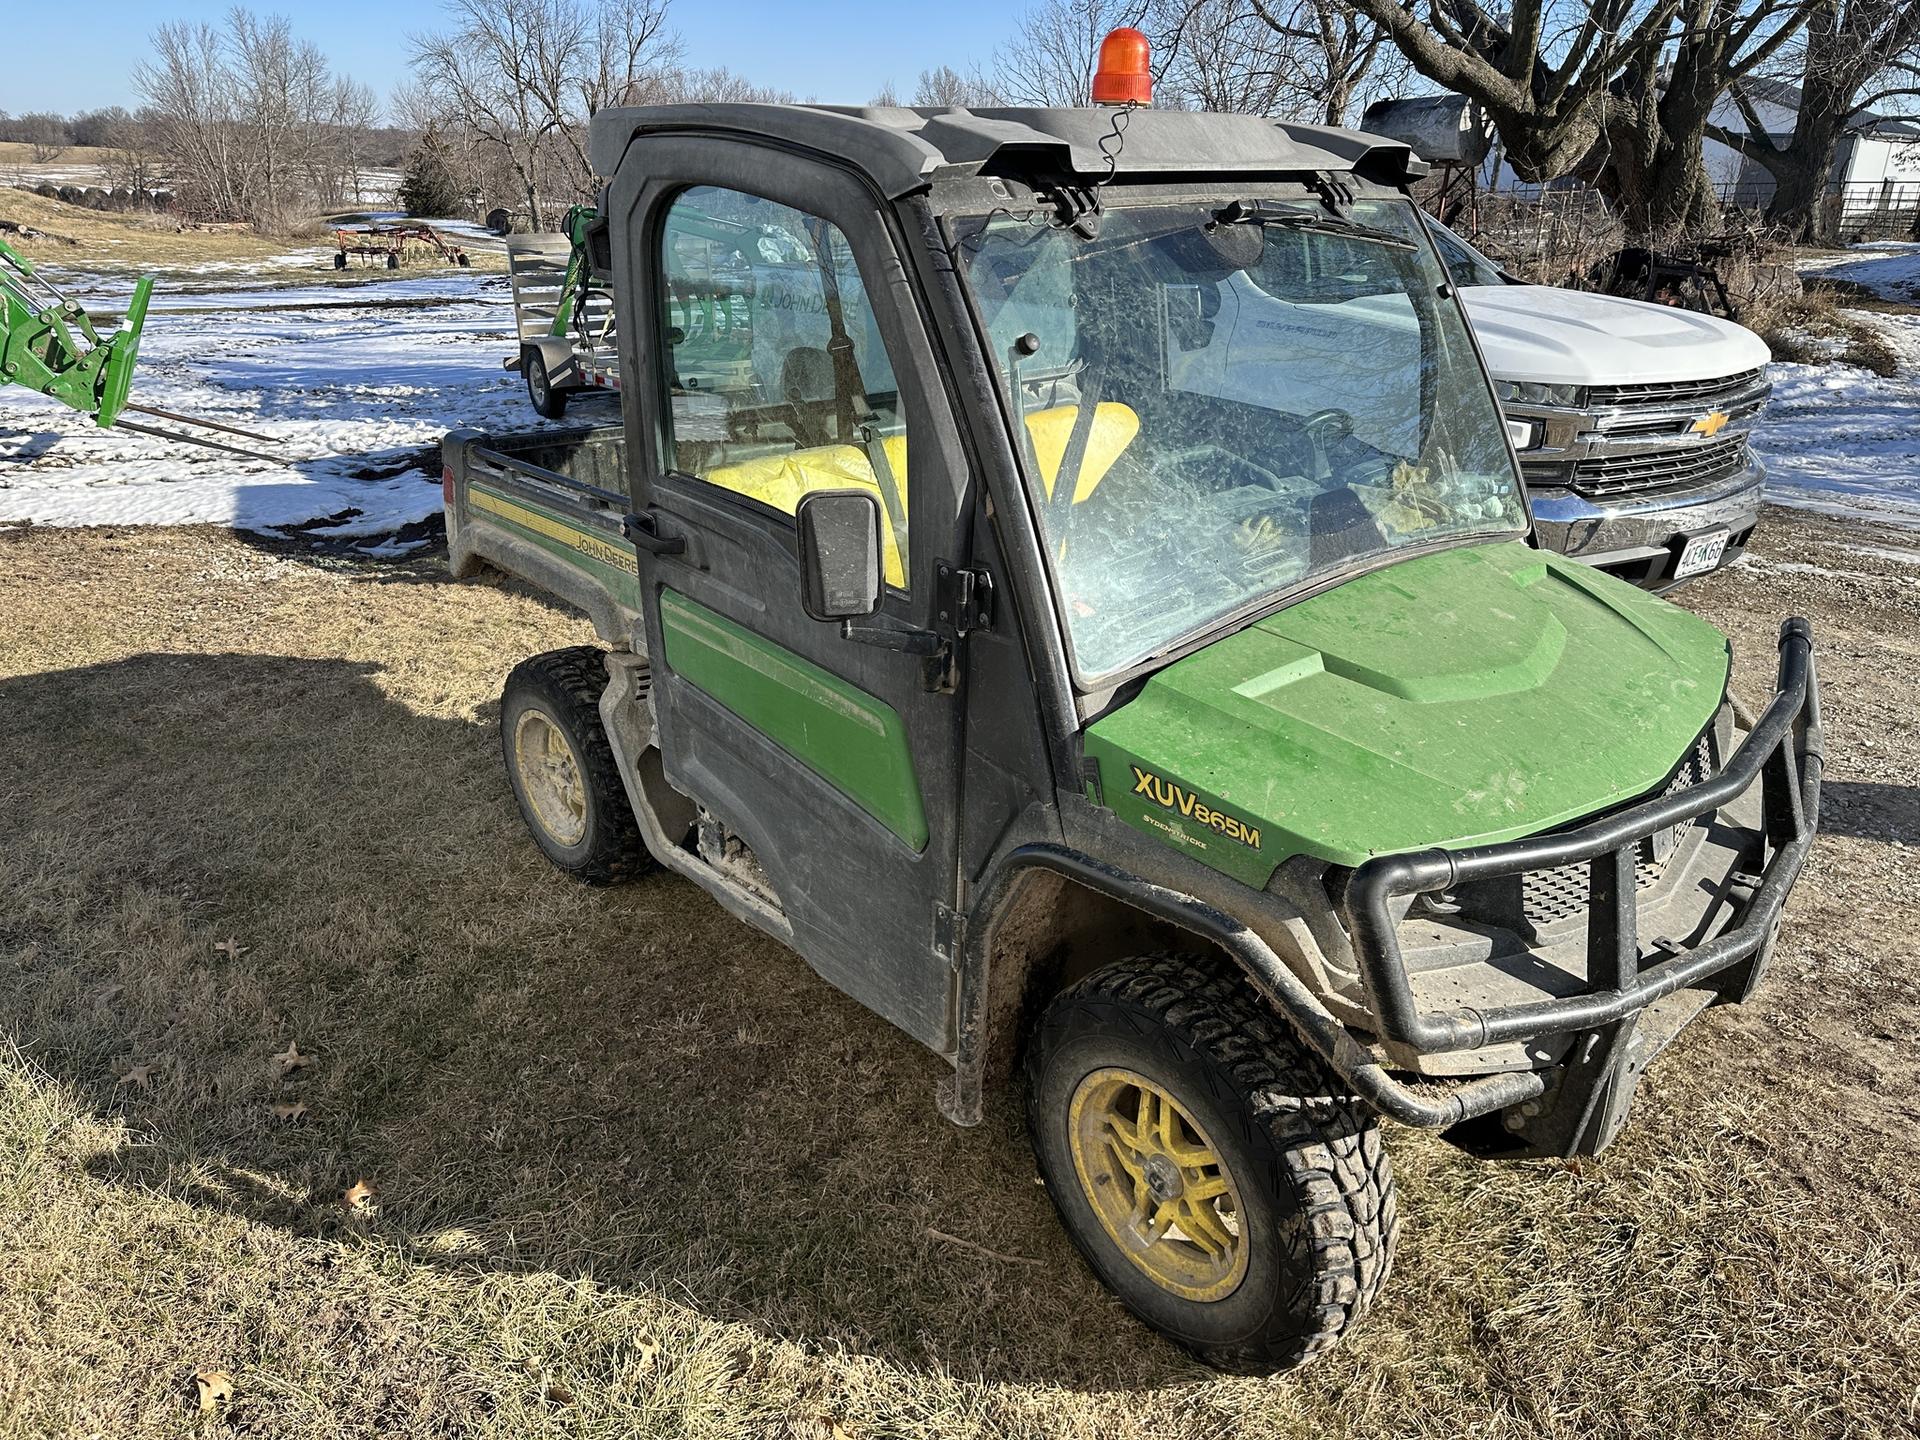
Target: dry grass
[[77, 238], [105, 238], [640, 1173], [1830, 321], [17, 155]]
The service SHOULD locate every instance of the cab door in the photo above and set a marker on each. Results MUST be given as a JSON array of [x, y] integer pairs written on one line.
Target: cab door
[[775, 329]]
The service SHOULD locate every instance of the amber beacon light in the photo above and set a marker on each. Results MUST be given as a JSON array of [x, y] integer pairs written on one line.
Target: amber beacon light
[[1124, 76]]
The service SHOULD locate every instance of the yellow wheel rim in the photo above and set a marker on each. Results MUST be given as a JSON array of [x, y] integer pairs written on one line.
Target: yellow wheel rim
[[550, 778], [1157, 1185]]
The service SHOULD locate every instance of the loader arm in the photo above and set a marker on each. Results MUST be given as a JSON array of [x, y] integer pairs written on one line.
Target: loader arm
[[48, 344]]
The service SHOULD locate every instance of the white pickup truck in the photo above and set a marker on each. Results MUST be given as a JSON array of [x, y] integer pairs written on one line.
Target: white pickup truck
[[1631, 420]]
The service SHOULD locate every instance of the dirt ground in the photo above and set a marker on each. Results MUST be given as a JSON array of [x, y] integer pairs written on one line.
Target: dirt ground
[[638, 1172]]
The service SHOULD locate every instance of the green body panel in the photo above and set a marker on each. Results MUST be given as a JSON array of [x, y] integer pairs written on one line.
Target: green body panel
[[1464, 697], [854, 741], [609, 560]]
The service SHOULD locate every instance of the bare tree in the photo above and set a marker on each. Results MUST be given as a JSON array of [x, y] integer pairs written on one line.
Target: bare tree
[[195, 116], [1306, 59], [1054, 51], [945, 86], [1570, 84], [523, 77], [1334, 54], [1854, 55], [248, 120]]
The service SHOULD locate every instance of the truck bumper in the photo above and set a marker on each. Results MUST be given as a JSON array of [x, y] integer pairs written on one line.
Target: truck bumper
[[1640, 538], [1592, 1039]]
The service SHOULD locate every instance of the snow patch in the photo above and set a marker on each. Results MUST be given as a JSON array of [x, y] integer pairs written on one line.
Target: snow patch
[[358, 383]]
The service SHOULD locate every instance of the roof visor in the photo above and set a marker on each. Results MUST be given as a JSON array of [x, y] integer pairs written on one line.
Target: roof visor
[[901, 148]]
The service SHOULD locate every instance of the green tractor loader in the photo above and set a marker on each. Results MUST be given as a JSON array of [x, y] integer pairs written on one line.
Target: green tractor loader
[[49, 344], [1183, 730]]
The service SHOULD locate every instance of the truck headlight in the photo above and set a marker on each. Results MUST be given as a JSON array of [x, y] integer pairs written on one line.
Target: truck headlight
[[1526, 392]]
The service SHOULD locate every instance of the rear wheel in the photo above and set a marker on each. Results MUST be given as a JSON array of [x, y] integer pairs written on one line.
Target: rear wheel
[[549, 401], [1204, 1165], [562, 768]]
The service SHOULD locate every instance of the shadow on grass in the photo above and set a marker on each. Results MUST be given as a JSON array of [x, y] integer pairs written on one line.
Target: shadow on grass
[[1870, 810], [623, 1085]]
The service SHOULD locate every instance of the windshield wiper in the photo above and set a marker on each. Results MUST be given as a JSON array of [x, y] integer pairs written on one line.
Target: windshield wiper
[[1242, 212]]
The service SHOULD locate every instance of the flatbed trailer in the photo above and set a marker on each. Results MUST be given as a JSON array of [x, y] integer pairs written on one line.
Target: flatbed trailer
[[563, 316]]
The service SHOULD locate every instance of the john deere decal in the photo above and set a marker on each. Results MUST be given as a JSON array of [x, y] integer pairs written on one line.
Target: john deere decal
[[1183, 802]]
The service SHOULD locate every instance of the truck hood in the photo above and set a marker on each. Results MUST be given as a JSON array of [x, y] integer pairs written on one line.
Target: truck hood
[[1570, 337], [1462, 697]]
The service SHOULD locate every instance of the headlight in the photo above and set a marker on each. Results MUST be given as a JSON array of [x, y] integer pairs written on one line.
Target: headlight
[[1525, 392]]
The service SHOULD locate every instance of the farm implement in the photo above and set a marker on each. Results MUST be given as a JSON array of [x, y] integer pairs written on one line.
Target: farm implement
[[49, 344], [388, 245]]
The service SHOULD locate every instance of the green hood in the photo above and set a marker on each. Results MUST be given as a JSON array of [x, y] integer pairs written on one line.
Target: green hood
[[1457, 698]]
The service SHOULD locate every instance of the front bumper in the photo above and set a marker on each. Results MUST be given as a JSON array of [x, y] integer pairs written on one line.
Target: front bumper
[[1639, 537], [1637, 993]]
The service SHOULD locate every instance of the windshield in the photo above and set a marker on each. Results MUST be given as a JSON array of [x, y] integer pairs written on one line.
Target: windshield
[[1248, 398], [1466, 264]]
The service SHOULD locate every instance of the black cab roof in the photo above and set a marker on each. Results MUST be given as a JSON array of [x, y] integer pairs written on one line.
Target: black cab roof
[[903, 148]]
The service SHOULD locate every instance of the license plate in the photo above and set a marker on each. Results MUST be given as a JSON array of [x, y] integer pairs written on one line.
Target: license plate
[[1701, 554]]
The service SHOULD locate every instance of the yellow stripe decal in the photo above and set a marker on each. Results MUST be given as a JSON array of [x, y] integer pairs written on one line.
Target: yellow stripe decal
[[572, 536]]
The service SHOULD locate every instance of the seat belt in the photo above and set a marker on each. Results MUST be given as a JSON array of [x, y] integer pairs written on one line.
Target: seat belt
[[850, 395]]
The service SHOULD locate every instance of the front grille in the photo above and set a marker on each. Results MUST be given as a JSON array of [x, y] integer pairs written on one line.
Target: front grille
[[1547, 896], [1673, 392], [1685, 465]]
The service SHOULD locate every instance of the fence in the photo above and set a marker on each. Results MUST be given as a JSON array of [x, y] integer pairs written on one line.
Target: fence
[[1858, 209]]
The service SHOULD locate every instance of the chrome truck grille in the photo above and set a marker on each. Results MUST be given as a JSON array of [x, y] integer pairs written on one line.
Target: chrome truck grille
[[1642, 439], [1661, 469], [1675, 392]]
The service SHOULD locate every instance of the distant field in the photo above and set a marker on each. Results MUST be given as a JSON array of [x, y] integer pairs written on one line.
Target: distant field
[[75, 165], [77, 238]]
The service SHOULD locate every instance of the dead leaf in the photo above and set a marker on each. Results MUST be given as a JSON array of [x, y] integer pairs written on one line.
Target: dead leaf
[[231, 948], [290, 1060], [360, 1197], [215, 1387], [558, 1394], [290, 1111], [140, 1075], [647, 1352]]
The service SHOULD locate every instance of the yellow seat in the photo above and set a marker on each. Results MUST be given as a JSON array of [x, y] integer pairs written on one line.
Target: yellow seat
[[780, 480]]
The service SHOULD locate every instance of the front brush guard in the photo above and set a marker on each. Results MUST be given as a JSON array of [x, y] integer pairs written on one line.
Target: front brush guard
[[1782, 751]]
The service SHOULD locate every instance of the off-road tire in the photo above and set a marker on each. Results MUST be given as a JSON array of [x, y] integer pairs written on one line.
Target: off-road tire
[[1317, 1187], [545, 397], [565, 686]]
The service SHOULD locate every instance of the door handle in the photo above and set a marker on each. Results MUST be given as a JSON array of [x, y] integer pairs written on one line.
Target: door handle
[[643, 530]]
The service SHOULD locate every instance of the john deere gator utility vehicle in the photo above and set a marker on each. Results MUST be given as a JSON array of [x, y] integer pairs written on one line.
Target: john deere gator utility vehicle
[[1199, 737]]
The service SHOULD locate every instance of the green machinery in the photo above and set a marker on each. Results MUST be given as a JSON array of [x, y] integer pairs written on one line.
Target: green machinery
[[49, 344]]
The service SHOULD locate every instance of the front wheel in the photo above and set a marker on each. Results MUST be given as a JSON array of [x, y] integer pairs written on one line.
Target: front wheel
[[550, 402], [1206, 1164]]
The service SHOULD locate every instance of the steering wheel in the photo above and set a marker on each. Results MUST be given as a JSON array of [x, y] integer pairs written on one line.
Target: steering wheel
[[1324, 429]]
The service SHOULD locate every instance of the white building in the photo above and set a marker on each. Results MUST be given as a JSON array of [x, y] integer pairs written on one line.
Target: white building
[[1876, 165]]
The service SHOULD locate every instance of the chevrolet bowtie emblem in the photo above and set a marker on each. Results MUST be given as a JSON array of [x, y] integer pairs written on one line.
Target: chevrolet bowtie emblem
[[1711, 424]]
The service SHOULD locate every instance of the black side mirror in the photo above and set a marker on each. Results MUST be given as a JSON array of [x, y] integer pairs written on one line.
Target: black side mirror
[[839, 553]]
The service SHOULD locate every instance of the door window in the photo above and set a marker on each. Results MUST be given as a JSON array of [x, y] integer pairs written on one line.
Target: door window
[[780, 382]]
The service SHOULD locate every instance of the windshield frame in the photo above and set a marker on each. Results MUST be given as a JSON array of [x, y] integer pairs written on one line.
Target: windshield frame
[[965, 209]]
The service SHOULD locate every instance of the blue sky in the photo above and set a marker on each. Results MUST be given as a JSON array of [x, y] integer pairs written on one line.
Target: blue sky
[[60, 58]]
